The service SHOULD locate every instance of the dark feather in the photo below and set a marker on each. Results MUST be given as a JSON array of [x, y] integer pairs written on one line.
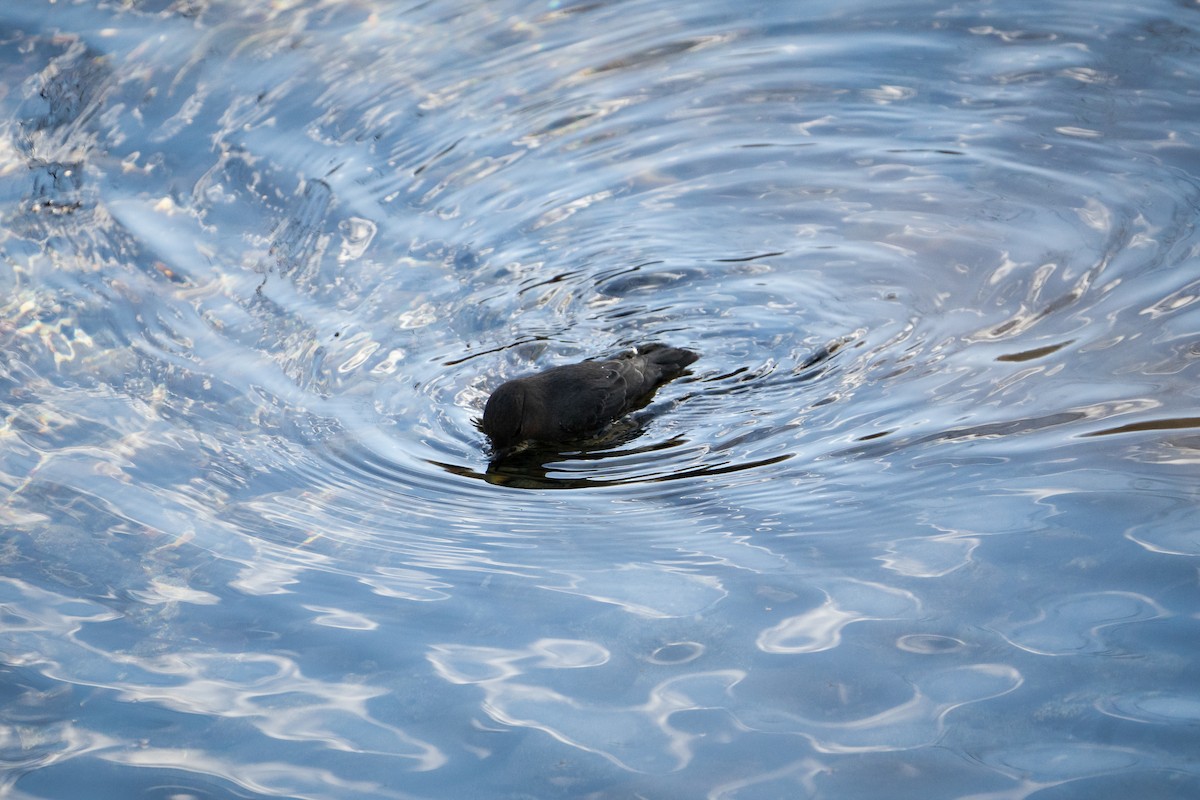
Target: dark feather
[[577, 400]]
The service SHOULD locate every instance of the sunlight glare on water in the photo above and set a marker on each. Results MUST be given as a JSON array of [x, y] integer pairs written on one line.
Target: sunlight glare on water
[[918, 523]]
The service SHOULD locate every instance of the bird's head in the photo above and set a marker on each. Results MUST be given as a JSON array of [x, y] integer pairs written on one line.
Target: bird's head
[[504, 416]]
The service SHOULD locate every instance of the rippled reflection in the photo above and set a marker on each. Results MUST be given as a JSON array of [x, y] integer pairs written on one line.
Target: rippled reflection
[[921, 518]]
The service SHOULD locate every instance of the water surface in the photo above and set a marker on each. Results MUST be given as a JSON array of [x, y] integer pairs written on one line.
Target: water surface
[[920, 523]]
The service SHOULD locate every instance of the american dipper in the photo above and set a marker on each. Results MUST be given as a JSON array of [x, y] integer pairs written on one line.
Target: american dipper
[[577, 400]]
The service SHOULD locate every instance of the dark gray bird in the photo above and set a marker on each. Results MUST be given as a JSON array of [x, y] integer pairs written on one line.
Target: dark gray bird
[[577, 400]]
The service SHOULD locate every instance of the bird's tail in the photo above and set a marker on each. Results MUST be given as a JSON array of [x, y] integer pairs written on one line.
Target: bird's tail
[[671, 360]]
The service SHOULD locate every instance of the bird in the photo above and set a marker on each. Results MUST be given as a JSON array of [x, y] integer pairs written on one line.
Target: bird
[[575, 401]]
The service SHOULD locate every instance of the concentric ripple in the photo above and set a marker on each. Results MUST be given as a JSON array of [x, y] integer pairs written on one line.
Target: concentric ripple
[[921, 516]]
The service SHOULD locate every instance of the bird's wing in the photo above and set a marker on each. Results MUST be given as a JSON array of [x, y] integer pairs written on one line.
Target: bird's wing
[[593, 394]]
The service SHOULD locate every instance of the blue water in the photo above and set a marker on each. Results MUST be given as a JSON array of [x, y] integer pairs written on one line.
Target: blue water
[[921, 523]]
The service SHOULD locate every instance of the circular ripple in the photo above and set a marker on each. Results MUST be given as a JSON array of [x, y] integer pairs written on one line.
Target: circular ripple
[[677, 653], [929, 644]]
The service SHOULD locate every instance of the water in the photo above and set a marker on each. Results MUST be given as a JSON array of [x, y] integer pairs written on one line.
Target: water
[[919, 524]]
